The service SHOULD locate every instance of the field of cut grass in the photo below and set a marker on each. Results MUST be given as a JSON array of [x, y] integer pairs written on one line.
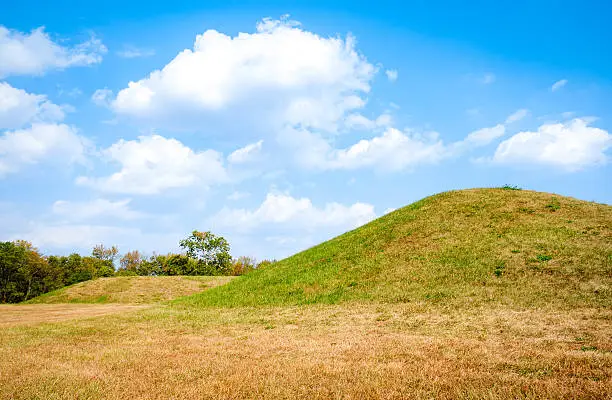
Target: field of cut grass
[[479, 294], [354, 351], [131, 289]]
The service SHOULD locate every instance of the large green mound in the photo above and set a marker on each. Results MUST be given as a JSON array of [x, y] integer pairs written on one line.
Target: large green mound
[[460, 248], [131, 289]]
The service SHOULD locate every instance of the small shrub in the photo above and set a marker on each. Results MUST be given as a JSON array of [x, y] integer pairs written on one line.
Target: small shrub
[[265, 264], [553, 206], [543, 257], [242, 265], [499, 269], [511, 187]]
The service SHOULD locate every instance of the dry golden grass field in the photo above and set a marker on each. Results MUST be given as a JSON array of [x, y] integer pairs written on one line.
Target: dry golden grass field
[[505, 294]]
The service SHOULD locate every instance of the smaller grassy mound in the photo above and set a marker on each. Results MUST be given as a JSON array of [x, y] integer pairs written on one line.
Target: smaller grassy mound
[[131, 289]]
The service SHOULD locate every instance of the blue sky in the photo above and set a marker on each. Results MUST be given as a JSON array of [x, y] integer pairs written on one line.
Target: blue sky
[[280, 125]]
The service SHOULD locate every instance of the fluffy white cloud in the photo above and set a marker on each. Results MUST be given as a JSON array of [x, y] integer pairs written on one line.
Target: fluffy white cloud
[[153, 164], [48, 143], [558, 85], [245, 154], [35, 53], [517, 116], [393, 150], [296, 213], [391, 75], [280, 72], [572, 146], [18, 108], [94, 209]]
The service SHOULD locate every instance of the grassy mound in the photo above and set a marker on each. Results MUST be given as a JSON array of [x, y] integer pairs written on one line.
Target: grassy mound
[[131, 289], [459, 248]]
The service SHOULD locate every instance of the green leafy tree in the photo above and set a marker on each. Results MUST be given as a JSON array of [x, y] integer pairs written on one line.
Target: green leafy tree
[[130, 263], [211, 251]]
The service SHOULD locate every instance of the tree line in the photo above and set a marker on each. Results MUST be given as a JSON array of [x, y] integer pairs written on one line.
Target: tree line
[[26, 273]]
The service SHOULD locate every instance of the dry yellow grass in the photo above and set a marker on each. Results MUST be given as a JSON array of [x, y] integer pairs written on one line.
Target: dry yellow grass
[[341, 351], [31, 314], [132, 289]]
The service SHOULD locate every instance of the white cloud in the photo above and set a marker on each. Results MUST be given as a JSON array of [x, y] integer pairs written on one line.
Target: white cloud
[[393, 150], [517, 116], [488, 79], [391, 75], [19, 108], [102, 97], [558, 85], [389, 210], [484, 136], [135, 52], [279, 74], [41, 143], [295, 213], [247, 153], [35, 53], [360, 122], [77, 236], [237, 195], [96, 208], [571, 146], [153, 164]]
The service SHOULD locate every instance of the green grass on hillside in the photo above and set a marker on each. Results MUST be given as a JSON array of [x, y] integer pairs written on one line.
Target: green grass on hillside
[[460, 248], [131, 289]]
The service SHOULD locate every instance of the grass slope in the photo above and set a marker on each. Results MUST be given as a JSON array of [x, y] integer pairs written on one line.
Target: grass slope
[[131, 289], [460, 248]]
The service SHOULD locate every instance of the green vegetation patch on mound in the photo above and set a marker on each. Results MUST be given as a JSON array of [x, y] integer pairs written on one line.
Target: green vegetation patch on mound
[[131, 289], [459, 248]]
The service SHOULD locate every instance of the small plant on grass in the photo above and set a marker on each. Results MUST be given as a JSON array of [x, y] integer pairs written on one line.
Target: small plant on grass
[[553, 205]]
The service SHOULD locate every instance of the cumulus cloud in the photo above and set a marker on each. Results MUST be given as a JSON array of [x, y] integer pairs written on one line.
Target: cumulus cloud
[[296, 213], [280, 73], [153, 164], [571, 146], [86, 210], [19, 108], [393, 150], [35, 53], [245, 154], [558, 85], [41, 143], [391, 75]]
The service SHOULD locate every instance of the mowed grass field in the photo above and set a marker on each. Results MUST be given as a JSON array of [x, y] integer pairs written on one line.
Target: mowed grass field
[[490, 294]]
